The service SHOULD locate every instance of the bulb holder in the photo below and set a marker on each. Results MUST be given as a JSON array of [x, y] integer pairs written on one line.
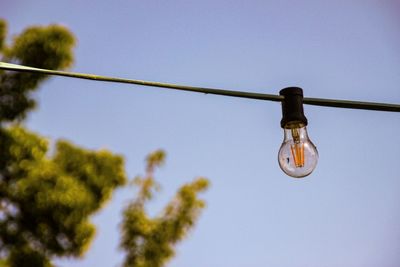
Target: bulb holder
[[292, 108]]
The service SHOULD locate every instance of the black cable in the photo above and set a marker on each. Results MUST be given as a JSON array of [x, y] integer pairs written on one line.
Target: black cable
[[277, 98]]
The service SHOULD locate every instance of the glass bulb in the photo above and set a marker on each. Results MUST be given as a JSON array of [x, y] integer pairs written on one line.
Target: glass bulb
[[297, 156]]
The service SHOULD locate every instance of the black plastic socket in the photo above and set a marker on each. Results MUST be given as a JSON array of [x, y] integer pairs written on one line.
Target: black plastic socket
[[292, 107]]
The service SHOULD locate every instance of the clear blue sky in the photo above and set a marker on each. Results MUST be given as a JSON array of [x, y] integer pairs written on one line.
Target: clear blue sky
[[345, 214]]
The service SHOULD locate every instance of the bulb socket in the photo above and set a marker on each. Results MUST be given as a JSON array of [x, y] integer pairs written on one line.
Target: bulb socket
[[292, 108]]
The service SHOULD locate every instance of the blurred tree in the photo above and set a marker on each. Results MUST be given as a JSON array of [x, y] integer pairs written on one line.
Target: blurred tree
[[45, 202], [43, 47], [149, 242]]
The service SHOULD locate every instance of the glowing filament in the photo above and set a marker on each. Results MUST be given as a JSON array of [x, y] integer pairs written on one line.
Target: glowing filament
[[298, 154], [297, 148]]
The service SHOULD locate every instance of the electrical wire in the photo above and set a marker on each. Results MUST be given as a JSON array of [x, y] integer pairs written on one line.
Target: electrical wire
[[259, 96]]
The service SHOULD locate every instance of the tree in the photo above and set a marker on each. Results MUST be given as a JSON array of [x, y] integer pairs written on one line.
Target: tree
[[149, 242], [43, 47], [46, 200]]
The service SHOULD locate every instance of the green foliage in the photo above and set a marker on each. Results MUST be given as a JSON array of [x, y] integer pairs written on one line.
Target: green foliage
[[149, 242], [43, 209], [43, 47], [46, 202], [27, 257]]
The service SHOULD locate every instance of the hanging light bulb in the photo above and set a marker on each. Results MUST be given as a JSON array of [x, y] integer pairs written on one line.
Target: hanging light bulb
[[297, 156]]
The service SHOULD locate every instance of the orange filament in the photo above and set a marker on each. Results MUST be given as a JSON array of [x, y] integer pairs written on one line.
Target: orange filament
[[298, 154]]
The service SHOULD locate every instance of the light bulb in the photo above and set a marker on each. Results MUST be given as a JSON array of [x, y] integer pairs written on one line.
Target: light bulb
[[297, 156]]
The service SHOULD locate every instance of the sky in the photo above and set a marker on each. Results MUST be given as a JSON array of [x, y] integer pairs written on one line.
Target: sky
[[346, 213]]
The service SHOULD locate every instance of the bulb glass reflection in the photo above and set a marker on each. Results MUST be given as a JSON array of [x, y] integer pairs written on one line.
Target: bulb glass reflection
[[297, 156]]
